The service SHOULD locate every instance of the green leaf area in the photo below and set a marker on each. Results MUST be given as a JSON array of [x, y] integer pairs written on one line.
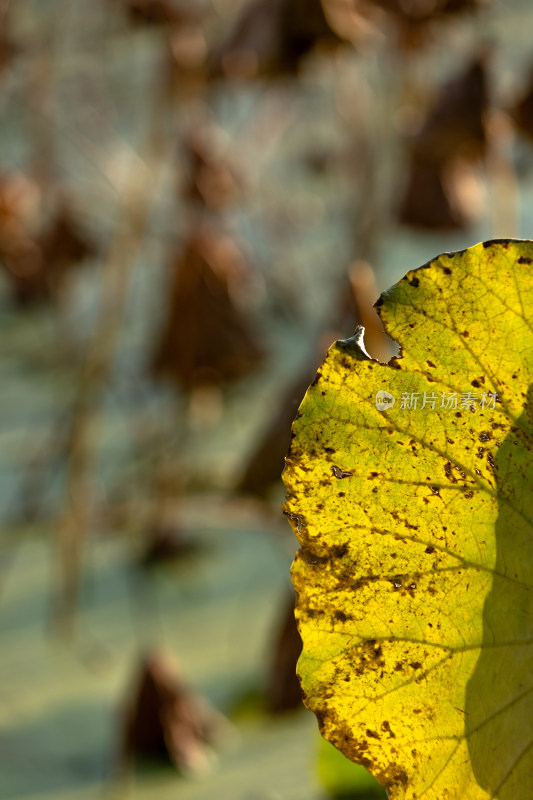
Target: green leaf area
[[409, 487]]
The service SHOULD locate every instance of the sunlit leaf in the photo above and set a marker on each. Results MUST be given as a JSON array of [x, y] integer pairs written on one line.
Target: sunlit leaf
[[416, 569]]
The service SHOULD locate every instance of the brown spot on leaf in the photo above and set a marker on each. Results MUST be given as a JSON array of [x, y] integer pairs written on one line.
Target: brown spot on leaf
[[308, 556], [340, 616], [392, 776], [385, 726], [339, 550]]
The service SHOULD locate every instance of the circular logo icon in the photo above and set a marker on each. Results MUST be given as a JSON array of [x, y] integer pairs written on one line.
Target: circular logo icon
[[384, 400]]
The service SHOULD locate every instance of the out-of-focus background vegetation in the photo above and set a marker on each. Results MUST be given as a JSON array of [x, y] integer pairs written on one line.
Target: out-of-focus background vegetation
[[196, 199]]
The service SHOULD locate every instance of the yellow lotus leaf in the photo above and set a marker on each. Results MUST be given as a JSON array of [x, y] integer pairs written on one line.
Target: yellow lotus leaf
[[410, 489]]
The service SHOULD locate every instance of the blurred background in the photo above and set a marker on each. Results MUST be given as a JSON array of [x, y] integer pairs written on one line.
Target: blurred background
[[197, 197]]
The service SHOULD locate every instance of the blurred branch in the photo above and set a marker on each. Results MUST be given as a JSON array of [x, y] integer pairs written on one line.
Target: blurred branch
[[132, 222]]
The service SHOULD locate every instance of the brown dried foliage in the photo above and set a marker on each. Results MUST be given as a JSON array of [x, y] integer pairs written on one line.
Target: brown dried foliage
[[207, 338]]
